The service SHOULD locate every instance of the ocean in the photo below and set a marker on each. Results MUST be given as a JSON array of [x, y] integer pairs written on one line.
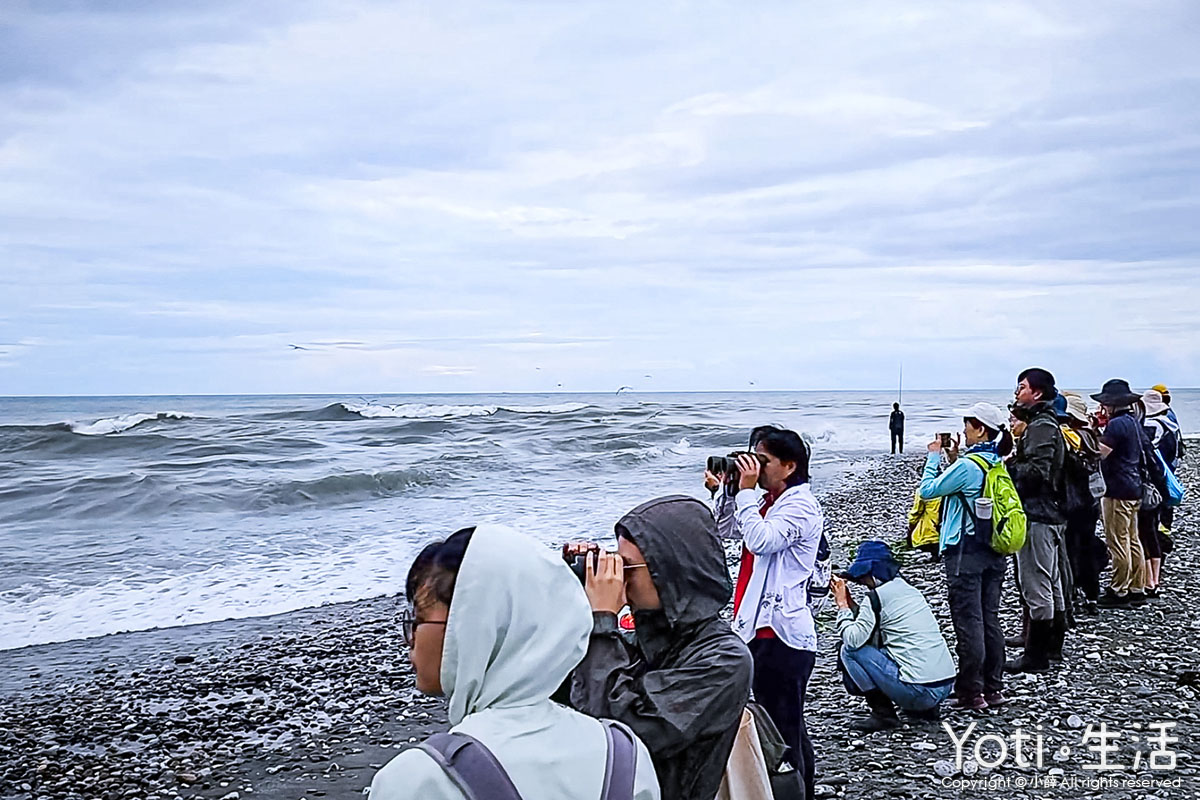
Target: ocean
[[130, 513]]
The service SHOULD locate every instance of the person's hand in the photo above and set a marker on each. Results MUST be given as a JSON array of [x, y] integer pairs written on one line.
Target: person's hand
[[936, 445], [841, 592], [749, 467], [605, 582], [711, 482], [952, 450]]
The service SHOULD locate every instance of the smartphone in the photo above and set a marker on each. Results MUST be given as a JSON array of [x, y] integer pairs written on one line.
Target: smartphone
[[945, 437]]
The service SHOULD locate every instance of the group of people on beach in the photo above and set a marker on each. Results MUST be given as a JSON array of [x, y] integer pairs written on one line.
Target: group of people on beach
[[624, 678]]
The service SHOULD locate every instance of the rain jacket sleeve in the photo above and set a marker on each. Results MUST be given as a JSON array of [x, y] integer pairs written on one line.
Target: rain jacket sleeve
[[957, 477], [783, 527], [1033, 473], [668, 708], [724, 508]]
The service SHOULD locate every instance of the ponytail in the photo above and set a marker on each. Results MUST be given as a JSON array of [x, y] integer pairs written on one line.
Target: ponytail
[[1005, 445]]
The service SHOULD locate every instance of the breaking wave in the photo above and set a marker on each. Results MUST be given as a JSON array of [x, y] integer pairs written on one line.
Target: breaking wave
[[108, 425]]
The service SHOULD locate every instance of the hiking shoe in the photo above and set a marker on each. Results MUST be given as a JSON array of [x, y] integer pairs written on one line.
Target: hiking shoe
[[1014, 641], [995, 698], [1152, 594], [1137, 598], [876, 722], [1090, 609], [976, 703], [927, 714], [1111, 599], [1023, 664]]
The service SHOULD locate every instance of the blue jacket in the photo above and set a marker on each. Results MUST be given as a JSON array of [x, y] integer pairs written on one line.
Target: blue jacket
[[962, 481]]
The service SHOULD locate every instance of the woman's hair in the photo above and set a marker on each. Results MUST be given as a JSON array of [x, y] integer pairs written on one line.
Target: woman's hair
[[436, 568], [1004, 446], [758, 433], [786, 446]]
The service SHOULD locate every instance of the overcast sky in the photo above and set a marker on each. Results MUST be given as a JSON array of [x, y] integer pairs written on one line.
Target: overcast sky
[[580, 195]]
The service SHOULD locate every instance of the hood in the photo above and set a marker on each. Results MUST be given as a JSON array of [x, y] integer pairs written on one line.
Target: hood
[[519, 623], [678, 537]]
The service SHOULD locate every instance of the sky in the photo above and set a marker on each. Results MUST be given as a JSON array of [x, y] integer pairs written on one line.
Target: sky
[[341, 196]]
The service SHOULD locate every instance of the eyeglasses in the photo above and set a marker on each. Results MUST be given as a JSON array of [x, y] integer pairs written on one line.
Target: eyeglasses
[[409, 622]]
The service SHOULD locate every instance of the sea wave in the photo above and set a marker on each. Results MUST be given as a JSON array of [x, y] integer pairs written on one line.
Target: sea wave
[[108, 425], [345, 487], [370, 410]]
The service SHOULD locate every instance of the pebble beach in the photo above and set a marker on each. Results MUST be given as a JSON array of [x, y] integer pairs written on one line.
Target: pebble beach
[[311, 703]]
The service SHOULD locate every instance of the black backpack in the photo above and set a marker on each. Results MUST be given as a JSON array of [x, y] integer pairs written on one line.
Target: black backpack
[[1077, 473]]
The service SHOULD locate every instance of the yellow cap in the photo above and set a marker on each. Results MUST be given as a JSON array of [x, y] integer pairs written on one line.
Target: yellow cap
[[1158, 387]]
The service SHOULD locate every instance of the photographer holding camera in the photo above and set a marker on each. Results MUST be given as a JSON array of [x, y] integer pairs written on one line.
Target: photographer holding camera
[[782, 541], [682, 686]]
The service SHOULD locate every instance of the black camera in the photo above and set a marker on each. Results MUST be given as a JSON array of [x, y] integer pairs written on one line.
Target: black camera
[[727, 465], [578, 561]]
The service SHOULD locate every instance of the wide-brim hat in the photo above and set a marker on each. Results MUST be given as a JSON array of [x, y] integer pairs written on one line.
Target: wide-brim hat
[[1077, 408], [991, 416], [1116, 393], [868, 554], [1153, 401]]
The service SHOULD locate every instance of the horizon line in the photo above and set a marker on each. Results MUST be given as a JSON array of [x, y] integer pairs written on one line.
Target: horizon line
[[527, 392]]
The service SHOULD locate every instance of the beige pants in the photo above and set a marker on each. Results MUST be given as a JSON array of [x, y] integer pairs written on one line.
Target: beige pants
[[1124, 546]]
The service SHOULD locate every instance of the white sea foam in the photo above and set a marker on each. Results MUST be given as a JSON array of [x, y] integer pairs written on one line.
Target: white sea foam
[[425, 411], [248, 587], [102, 427]]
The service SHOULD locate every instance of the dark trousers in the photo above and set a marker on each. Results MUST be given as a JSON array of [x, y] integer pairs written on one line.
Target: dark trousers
[[781, 676], [1147, 523], [897, 438], [1088, 555], [1166, 515], [974, 585]]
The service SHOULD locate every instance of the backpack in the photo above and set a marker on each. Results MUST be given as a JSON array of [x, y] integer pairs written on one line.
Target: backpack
[[818, 583], [1008, 523], [479, 776], [1081, 483]]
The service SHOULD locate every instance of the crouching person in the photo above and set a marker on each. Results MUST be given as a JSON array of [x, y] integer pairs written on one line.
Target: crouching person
[[893, 654], [682, 686], [496, 622]]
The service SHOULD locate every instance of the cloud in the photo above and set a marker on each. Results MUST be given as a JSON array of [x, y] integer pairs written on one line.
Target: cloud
[[803, 197]]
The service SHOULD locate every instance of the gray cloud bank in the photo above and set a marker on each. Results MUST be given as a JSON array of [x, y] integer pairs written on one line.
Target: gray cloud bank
[[534, 196]]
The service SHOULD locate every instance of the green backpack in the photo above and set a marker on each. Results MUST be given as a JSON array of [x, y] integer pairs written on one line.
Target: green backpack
[[1008, 521]]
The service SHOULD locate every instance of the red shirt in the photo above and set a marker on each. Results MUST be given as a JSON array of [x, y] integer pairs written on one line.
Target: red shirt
[[747, 567]]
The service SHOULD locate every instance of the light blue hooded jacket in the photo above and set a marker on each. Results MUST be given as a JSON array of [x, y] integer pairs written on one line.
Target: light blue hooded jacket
[[519, 623]]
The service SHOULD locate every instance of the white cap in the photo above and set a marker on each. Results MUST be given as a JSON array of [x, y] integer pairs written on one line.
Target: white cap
[[990, 415]]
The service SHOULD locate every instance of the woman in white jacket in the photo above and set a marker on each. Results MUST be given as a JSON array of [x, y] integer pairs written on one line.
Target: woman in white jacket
[[498, 622], [781, 533]]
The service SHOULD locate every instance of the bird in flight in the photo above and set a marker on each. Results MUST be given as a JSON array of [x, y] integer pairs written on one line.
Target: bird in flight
[[624, 388], [298, 347]]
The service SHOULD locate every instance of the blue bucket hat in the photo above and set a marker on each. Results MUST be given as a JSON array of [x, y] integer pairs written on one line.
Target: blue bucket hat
[[1060, 406], [873, 558]]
